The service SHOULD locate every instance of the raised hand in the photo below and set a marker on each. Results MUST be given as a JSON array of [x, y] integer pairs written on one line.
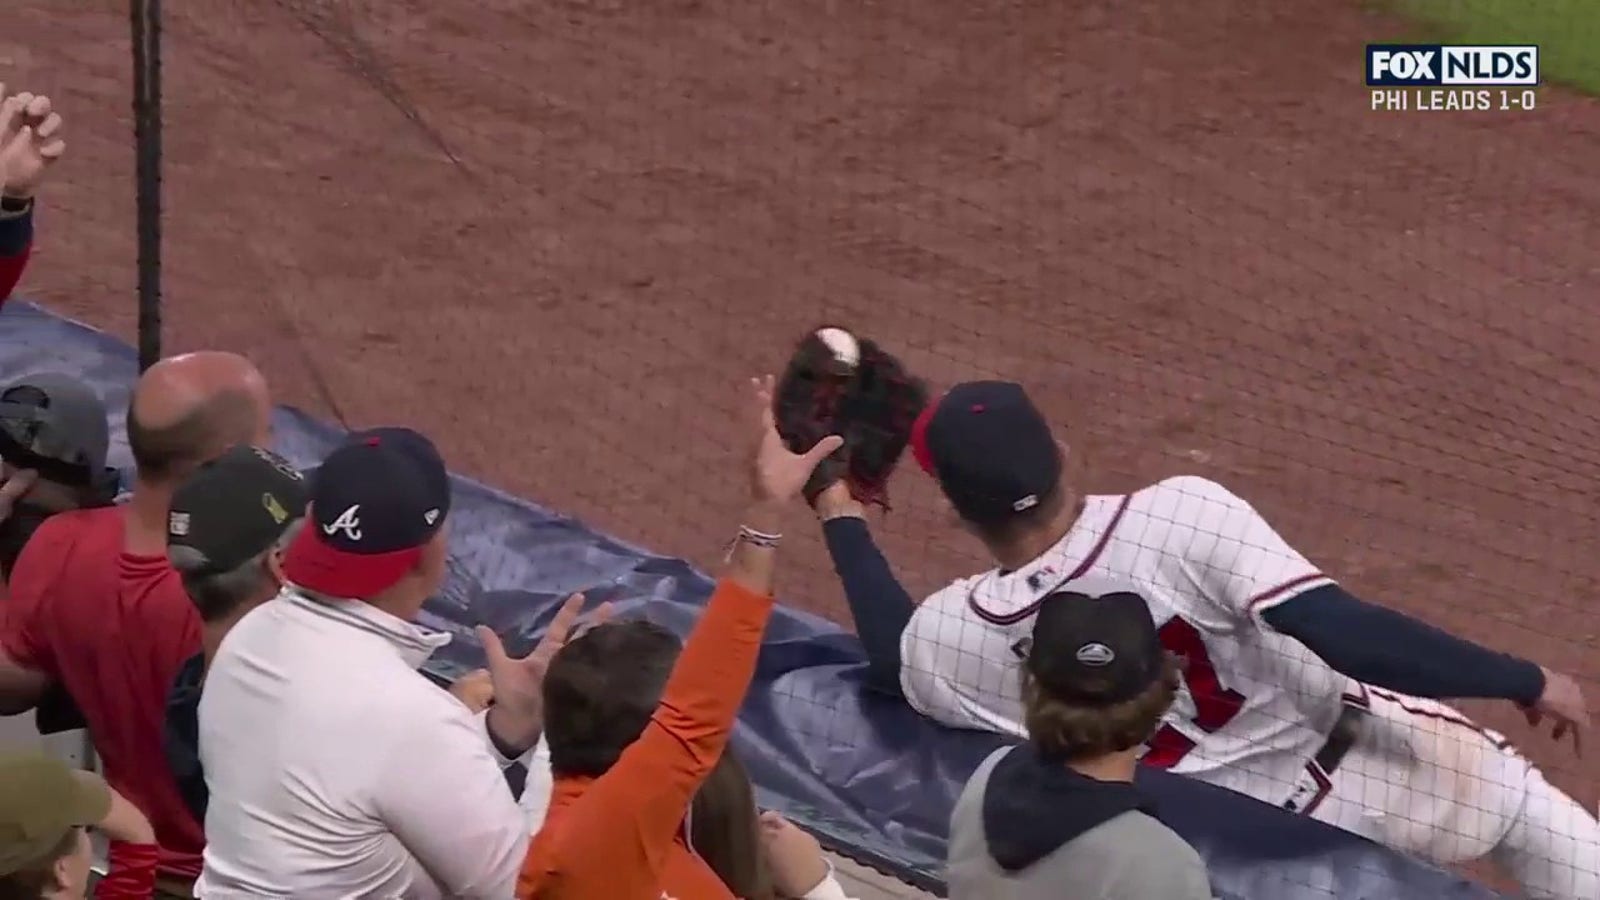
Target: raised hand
[[517, 717], [776, 473], [30, 143]]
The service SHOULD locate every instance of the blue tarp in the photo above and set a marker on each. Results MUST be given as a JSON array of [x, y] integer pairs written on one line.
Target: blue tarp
[[872, 778]]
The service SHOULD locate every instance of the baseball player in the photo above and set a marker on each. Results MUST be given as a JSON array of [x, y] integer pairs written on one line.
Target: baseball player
[[1295, 692]]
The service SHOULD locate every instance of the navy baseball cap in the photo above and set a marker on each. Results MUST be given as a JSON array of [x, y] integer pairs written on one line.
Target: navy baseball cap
[[376, 501], [990, 449], [1095, 644]]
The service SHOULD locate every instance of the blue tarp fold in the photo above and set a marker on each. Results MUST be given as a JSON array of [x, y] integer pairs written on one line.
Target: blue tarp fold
[[872, 778]]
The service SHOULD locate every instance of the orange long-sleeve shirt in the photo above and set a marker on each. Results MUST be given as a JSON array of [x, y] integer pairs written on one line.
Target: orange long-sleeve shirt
[[620, 836]]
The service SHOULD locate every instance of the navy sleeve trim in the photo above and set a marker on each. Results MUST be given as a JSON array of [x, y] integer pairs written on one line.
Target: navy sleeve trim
[[16, 233], [1389, 649], [880, 606]]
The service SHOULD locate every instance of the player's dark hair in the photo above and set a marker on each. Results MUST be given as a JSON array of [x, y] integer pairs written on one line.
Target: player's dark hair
[[172, 451], [725, 830], [39, 878], [1070, 731], [600, 691]]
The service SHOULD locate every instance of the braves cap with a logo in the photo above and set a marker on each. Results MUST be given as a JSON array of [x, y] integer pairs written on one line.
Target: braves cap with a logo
[[376, 501], [55, 425], [233, 509], [1095, 644], [990, 449]]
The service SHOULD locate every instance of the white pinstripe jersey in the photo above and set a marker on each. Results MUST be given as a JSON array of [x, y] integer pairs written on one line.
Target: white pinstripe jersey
[[1256, 704]]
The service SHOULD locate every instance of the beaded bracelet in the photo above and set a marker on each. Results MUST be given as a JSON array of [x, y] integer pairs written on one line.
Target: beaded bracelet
[[748, 535]]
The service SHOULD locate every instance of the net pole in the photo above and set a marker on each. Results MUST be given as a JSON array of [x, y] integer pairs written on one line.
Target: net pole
[[145, 19]]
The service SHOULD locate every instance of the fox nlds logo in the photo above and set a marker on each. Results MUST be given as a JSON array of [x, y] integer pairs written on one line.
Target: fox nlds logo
[[1447, 65]]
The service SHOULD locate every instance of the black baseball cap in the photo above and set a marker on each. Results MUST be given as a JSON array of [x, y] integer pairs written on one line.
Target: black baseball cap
[[1095, 644], [990, 448], [233, 509], [377, 500], [57, 426]]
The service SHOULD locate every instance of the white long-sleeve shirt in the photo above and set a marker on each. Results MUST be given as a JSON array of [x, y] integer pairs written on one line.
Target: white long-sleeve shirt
[[337, 771]]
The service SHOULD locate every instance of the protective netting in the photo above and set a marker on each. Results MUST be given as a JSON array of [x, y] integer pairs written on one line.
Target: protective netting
[[556, 236]]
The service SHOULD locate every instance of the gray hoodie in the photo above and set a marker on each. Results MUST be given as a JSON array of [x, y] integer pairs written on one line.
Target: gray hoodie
[[1026, 828]]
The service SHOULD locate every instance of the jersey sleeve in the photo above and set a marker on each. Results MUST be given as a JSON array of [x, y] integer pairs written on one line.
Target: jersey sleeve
[[16, 237], [1239, 563]]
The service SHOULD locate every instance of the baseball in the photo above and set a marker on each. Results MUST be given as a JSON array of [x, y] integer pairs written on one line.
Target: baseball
[[842, 343]]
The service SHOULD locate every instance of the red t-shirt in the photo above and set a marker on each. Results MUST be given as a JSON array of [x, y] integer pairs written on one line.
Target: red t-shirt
[[113, 628]]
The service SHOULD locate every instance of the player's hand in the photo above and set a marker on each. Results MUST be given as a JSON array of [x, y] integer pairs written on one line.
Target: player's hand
[[475, 690], [1563, 704], [776, 474], [517, 716], [793, 856], [30, 142]]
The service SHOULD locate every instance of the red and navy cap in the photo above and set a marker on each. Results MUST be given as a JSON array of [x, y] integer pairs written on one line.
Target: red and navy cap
[[376, 501], [990, 448]]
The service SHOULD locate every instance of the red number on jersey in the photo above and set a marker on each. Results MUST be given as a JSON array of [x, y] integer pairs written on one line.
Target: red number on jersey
[[1214, 704]]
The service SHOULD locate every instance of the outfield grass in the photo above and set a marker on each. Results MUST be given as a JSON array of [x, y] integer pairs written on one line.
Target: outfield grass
[[1567, 31]]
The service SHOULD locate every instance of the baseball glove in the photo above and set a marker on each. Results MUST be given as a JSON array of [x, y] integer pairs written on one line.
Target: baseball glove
[[836, 383]]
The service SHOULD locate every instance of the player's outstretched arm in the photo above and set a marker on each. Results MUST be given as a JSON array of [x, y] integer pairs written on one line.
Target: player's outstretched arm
[[880, 606], [1389, 649], [1250, 571]]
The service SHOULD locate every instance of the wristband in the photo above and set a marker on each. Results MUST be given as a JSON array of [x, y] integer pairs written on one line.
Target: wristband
[[759, 538], [748, 535], [16, 204]]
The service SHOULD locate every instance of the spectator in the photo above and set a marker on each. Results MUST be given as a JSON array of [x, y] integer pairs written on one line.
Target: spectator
[[30, 143], [53, 440], [95, 606], [724, 832], [757, 856], [45, 811], [634, 726], [334, 768], [227, 524], [1061, 809]]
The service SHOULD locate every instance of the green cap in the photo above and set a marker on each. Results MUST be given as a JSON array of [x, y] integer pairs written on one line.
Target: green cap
[[41, 799]]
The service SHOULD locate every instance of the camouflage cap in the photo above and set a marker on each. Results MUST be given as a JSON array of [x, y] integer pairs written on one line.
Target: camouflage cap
[[41, 800]]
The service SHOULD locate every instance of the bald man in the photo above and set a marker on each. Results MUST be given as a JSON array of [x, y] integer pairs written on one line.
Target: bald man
[[95, 606]]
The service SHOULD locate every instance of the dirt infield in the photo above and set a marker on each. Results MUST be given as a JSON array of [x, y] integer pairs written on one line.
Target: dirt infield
[[556, 240]]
